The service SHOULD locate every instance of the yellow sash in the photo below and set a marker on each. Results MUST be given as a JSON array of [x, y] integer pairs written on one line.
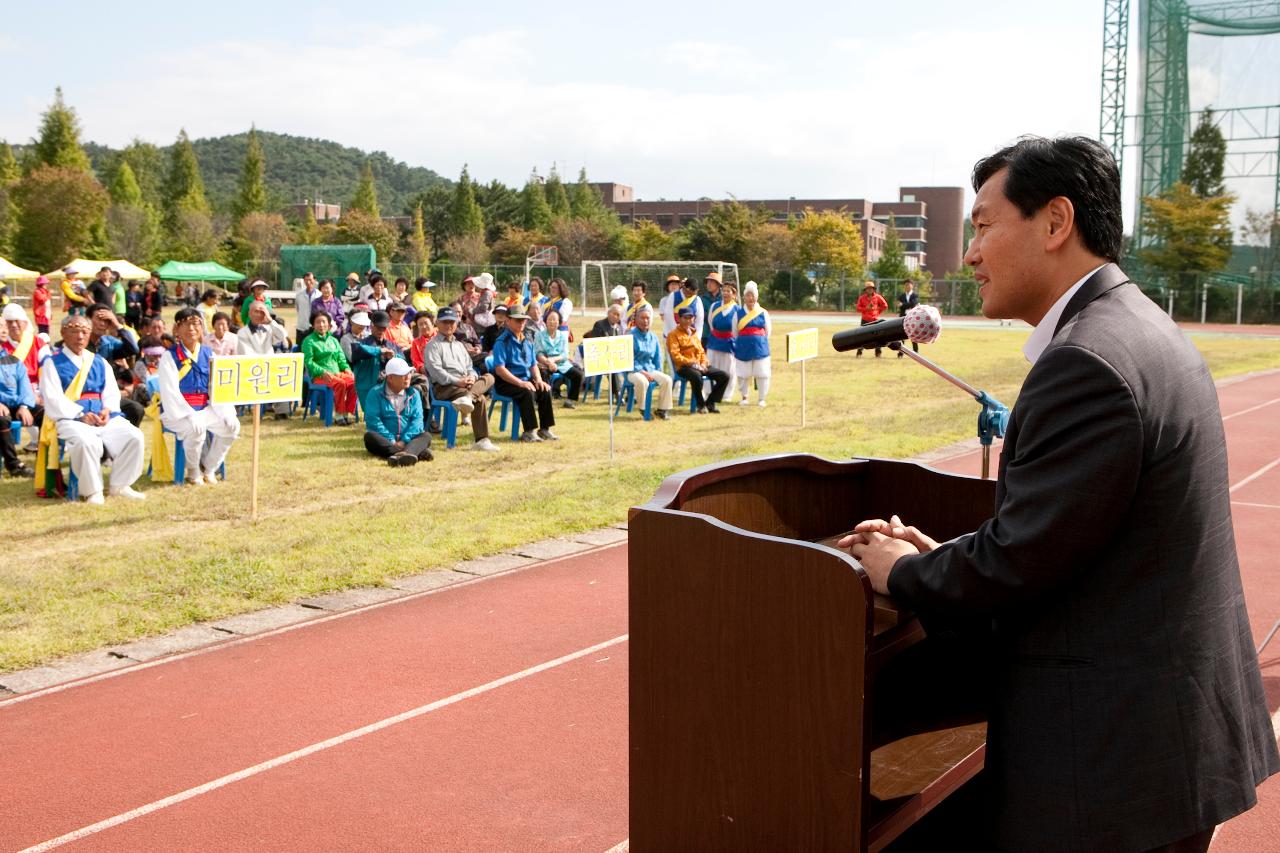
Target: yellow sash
[[684, 304], [722, 308], [161, 465], [631, 312], [191, 356], [24, 345], [749, 316], [48, 440]]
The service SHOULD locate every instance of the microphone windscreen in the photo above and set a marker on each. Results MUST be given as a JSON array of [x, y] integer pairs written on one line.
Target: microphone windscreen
[[922, 324]]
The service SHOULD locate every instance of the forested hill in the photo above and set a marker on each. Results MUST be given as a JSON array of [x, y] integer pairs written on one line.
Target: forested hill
[[297, 168]]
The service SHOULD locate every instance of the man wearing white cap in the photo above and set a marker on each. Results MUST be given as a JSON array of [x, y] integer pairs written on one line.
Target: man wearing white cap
[[751, 357], [185, 409], [393, 415], [82, 404]]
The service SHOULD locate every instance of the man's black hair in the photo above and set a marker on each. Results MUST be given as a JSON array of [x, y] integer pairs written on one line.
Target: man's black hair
[[643, 285], [99, 306], [1075, 167], [186, 314]]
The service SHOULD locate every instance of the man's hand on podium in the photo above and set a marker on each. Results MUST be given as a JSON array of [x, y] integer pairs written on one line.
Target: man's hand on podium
[[879, 544]]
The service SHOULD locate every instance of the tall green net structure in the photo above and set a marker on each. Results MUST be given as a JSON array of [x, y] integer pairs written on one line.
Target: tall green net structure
[[1162, 119]]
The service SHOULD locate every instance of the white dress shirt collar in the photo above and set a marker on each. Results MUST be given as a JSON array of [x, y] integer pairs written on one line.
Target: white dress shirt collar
[[1042, 335]]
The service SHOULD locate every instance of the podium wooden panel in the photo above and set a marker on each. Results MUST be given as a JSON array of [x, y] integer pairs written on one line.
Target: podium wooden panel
[[754, 655]]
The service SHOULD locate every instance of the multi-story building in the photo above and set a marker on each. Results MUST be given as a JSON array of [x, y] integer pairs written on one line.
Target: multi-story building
[[320, 210], [929, 220]]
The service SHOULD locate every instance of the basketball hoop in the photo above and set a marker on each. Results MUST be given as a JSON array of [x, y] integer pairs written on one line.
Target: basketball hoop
[[543, 256]]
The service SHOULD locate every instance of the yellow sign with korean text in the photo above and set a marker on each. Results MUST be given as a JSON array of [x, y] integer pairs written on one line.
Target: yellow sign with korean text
[[608, 355], [802, 345], [248, 379]]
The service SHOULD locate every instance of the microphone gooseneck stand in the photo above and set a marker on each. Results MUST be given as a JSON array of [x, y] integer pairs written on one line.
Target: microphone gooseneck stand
[[992, 420]]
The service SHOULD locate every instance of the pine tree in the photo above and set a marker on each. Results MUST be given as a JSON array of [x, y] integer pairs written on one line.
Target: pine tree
[[417, 247], [366, 198], [124, 187], [535, 213], [1205, 158], [59, 142], [9, 176], [557, 198], [251, 193], [585, 201], [465, 217], [183, 186], [892, 265]]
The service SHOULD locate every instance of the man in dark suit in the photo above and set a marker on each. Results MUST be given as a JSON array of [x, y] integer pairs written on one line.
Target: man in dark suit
[[1127, 712], [907, 300], [607, 326]]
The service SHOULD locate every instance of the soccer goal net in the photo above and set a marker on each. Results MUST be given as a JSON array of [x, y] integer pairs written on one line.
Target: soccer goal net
[[599, 277]]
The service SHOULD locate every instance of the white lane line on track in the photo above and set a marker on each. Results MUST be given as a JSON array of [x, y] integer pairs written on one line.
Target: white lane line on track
[[1250, 409], [1255, 475], [1259, 506], [284, 629], [256, 769]]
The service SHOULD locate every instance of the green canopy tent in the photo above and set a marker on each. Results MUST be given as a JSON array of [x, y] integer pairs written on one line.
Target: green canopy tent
[[203, 271]]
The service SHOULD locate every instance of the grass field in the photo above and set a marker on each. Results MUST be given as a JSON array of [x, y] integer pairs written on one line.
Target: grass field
[[331, 517]]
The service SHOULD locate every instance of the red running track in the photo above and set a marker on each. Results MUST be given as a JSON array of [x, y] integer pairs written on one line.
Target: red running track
[[485, 716]]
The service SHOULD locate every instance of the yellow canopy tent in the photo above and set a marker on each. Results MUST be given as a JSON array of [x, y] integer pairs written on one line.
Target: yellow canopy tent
[[12, 272], [88, 269]]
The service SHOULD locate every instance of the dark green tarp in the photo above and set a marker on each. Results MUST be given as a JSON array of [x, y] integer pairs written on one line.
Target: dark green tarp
[[333, 262], [204, 271]]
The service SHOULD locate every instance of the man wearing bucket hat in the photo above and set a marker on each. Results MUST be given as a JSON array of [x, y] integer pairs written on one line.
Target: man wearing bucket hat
[[871, 305], [393, 415]]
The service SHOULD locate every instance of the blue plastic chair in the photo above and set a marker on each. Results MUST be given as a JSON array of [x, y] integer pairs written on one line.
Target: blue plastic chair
[[509, 407], [319, 399], [629, 397], [15, 427], [684, 386], [180, 459], [448, 417]]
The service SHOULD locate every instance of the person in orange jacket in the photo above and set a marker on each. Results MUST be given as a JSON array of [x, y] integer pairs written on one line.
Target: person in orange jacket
[[871, 305]]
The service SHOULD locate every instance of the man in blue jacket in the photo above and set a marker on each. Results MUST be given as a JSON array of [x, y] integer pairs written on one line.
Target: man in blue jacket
[[393, 415], [17, 403]]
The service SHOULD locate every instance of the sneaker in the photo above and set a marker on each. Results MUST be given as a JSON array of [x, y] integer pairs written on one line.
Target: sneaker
[[663, 415], [760, 404], [95, 499], [464, 405], [194, 481], [466, 420], [548, 435], [711, 407], [701, 410], [744, 402], [211, 477], [484, 445], [22, 471], [402, 460], [128, 492], [30, 447], [569, 404], [530, 435]]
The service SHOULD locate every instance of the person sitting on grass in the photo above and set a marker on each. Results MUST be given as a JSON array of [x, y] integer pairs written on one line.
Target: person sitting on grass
[[647, 354], [324, 362], [551, 346], [220, 341], [516, 374], [425, 330], [263, 336], [185, 409], [82, 406], [690, 361], [370, 353], [454, 378], [393, 417]]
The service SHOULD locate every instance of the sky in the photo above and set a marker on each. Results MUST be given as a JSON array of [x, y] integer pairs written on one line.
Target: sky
[[678, 100]]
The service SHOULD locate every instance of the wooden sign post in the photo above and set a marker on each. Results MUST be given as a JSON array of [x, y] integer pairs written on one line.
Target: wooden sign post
[[602, 356], [255, 380], [802, 346]]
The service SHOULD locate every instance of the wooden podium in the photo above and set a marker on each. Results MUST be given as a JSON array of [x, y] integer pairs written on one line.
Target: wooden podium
[[756, 651]]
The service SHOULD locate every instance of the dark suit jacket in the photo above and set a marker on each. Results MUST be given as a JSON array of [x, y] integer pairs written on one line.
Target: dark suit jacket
[[907, 301], [1128, 709], [601, 329]]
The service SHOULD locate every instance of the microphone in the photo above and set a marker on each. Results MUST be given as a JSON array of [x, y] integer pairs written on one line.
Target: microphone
[[921, 324]]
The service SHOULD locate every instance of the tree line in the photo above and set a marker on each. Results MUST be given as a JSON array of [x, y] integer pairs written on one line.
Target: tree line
[[149, 205]]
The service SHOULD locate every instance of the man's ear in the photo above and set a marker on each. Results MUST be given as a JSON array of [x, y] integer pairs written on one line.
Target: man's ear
[[1062, 222]]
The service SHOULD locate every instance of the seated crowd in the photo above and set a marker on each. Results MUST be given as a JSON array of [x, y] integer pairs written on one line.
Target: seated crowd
[[382, 352]]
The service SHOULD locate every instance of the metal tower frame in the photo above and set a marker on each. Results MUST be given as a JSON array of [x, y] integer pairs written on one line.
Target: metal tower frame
[[1163, 120]]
